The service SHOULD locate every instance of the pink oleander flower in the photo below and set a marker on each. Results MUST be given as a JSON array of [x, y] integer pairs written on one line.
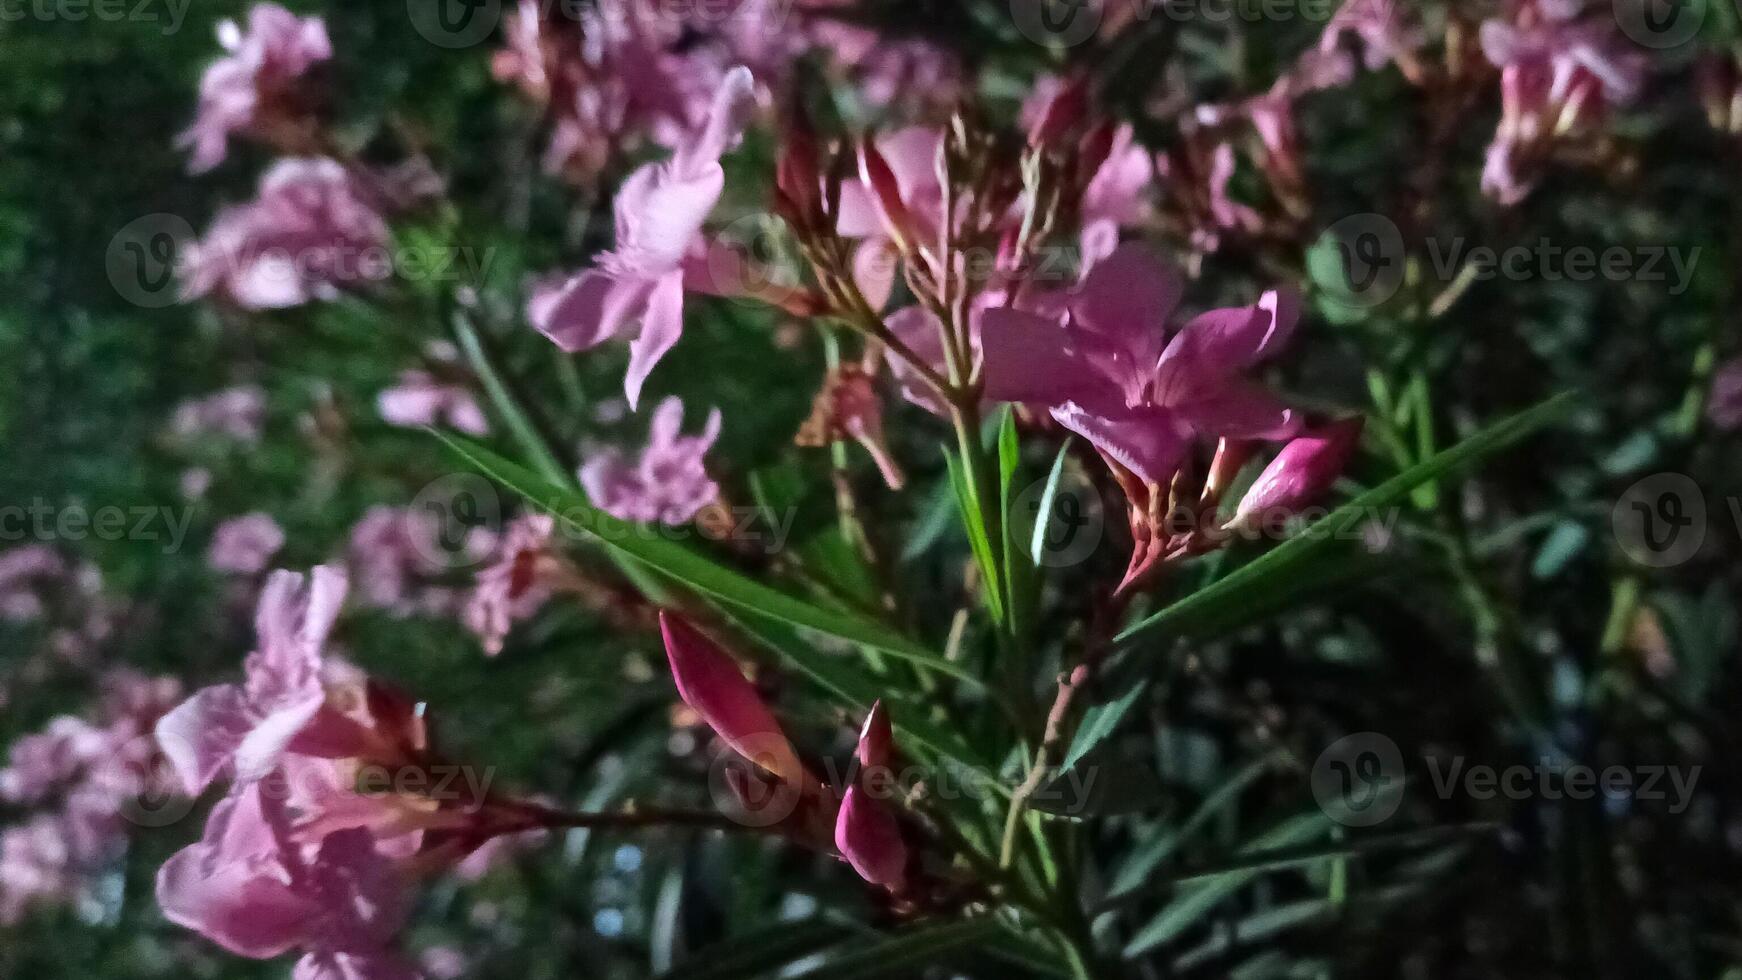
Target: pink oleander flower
[[1116, 197], [667, 483], [255, 80], [1300, 474], [1386, 36], [237, 413], [1559, 75], [1724, 403], [309, 233], [895, 199], [397, 558], [659, 212], [867, 833], [423, 398], [251, 887], [245, 545], [1197, 176], [516, 583], [24, 571], [246, 728], [1110, 372]]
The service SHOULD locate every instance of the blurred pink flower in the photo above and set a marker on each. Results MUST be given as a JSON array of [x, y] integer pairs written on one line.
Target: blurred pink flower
[[1385, 36], [310, 232], [420, 398], [237, 413], [1110, 373], [515, 584], [396, 558], [660, 211], [246, 727], [1304, 470], [245, 545], [1724, 403], [24, 571], [260, 71], [667, 483]]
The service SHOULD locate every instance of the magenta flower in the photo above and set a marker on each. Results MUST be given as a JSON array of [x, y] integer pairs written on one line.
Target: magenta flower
[[245, 545], [1110, 373], [254, 80], [1724, 403], [396, 558], [1384, 34], [660, 210], [667, 483], [24, 571], [710, 682], [250, 887], [310, 232], [867, 833], [247, 727], [1301, 473]]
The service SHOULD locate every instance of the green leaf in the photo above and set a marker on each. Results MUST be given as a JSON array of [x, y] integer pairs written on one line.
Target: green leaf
[[1043, 511], [759, 951], [1142, 863], [685, 566], [1277, 567], [917, 946], [1200, 897], [531, 442], [974, 523], [1019, 574], [1100, 721]]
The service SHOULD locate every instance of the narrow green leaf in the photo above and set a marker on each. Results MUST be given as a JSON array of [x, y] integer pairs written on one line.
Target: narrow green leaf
[[759, 951], [1138, 868], [974, 524], [1278, 564], [917, 946], [1100, 721], [685, 566], [531, 442], [1043, 511], [1020, 580]]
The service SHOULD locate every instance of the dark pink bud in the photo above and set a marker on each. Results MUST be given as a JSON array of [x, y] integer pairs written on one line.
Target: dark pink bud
[[866, 831], [1304, 470], [1062, 116], [709, 681]]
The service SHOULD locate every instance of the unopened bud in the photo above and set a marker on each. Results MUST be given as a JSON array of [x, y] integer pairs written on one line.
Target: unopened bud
[[1302, 472]]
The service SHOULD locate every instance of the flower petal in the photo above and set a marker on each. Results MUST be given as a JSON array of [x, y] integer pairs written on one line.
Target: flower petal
[[589, 309], [709, 681], [1148, 441], [661, 326]]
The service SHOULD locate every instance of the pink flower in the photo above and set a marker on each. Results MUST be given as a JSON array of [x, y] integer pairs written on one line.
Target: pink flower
[[421, 398], [255, 79], [1116, 197], [246, 728], [515, 584], [23, 573], [667, 483], [1384, 34], [660, 211], [867, 833], [244, 545], [253, 889], [234, 413], [710, 682], [396, 556], [1302, 472], [310, 232], [1724, 403], [1110, 373]]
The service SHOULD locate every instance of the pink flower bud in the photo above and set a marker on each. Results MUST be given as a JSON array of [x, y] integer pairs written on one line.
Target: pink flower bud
[[710, 682], [1303, 471], [885, 190], [866, 832]]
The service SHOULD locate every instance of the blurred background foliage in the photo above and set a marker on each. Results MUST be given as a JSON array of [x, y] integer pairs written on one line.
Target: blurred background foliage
[[1512, 569]]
